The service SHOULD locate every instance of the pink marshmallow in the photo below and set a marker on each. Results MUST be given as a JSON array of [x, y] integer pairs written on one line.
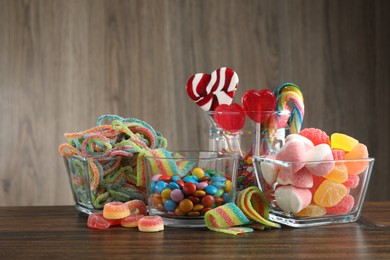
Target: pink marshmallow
[[300, 179], [319, 153], [307, 142], [292, 199], [293, 151], [269, 171]]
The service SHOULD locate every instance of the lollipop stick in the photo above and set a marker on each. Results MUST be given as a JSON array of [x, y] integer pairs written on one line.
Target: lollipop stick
[[257, 139]]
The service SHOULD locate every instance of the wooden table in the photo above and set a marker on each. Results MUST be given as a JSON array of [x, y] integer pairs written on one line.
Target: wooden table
[[60, 232]]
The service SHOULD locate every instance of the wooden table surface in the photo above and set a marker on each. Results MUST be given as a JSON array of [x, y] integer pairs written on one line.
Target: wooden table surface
[[54, 232]]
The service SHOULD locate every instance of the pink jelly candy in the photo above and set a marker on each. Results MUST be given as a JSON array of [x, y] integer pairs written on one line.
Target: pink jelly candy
[[96, 220], [352, 181], [344, 206], [317, 136]]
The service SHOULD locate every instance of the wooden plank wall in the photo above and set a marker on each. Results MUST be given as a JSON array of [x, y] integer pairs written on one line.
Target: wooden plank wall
[[64, 63]]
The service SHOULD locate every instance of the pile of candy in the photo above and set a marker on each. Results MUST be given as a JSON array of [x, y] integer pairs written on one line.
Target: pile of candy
[[268, 110], [130, 214], [192, 194], [103, 161], [321, 173]]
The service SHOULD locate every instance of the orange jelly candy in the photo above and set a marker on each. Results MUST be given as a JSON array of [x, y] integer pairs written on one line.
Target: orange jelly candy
[[329, 193], [358, 152], [339, 173], [312, 210]]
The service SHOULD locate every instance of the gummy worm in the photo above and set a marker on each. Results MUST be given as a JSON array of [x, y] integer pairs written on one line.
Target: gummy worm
[[226, 219], [89, 131], [119, 126], [253, 202], [68, 150], [97, 139]]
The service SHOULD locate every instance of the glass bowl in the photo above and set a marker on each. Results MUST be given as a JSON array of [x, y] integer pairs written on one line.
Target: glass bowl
[[183, 185], [99, 180], [300, 197]]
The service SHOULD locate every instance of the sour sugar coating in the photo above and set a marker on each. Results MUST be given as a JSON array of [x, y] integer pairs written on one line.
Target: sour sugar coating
[[292, 199], [317, 157], [137, 207], [344, 206], [150, 224], [317, 136], [343, 141], [131, 220], [98, 221], [115, 210], [210, 90], [359, 151], [329, 193], [293, 151]]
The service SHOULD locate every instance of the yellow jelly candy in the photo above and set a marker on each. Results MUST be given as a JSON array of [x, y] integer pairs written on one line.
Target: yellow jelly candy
[[339, 173], [342, 141], [329, 193], [312, 210], [358, 152]]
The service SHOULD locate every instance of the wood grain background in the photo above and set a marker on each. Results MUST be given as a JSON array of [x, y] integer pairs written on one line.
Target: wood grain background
[[64, 63]]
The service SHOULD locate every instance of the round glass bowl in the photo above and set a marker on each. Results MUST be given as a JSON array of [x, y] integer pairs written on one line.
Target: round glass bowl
[[183, 185], [301, 197]]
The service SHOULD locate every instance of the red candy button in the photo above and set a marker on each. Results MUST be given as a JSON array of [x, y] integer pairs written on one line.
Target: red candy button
[[189, 188]]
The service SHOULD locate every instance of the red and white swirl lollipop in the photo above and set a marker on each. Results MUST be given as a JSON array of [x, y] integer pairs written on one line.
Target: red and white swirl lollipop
[[211, 90]]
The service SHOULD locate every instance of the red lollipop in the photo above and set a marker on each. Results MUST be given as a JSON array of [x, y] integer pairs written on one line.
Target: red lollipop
[[230, 117], [258, 104]]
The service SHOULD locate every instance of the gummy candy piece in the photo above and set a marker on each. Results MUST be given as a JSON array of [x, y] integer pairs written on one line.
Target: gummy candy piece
[[352, 181], [317, 180], [339, 173], [342, 141], [338, 154], [115, 210], [308, 144], [358, 152], [317, 136], [301, 179], [96, 220], [293, 151], [312, 210], [321, 160], [292, 199], [344, 206], [329, 193]]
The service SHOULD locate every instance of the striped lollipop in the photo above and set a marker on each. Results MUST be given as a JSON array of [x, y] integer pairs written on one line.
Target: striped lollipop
[[290, 92], [210, 90]]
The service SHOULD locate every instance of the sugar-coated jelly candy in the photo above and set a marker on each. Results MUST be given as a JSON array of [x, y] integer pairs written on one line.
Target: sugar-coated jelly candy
[[98, 221], [344, 206], [339, 173], [312, 210], [317, 136], [329, 193], [359, 151], [342, 141], [352, 181]]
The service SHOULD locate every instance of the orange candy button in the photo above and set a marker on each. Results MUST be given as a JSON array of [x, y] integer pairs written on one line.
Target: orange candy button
[[358, 152], [329, 193]]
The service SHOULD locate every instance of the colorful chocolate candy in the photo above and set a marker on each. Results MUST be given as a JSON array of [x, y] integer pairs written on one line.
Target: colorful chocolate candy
[[190, 195]]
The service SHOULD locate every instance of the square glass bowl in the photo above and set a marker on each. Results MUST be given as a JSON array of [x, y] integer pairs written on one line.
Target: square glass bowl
[[182, 186], [300, 197], [97, 181]]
